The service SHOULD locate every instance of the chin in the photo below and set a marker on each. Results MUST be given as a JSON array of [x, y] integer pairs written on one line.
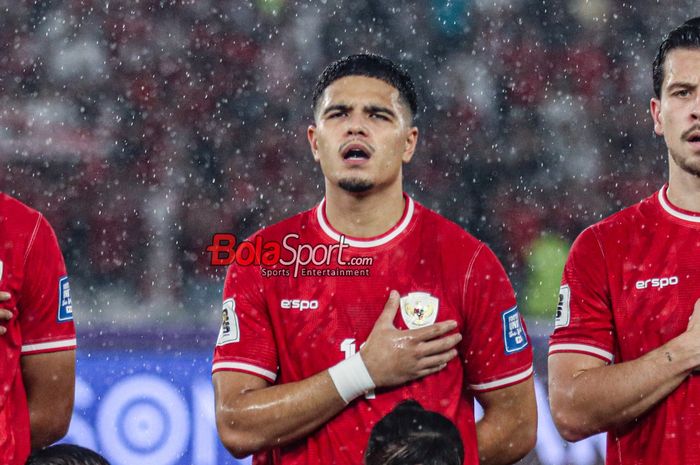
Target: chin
[[356, 186]]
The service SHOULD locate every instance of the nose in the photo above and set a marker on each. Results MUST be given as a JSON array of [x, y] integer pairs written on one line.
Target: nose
[[356, 126]]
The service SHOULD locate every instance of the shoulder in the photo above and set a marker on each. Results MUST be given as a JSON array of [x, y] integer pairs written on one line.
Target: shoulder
[[21, 213], [446, 233], [621, 225], [18, 221]]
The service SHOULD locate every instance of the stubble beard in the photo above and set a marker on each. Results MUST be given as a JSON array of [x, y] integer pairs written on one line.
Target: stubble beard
[[686, 163], [355, 185]]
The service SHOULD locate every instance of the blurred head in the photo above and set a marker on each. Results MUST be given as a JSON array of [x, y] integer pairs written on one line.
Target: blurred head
[[411, 435], [676, 107], [66, 454], [363, 123]]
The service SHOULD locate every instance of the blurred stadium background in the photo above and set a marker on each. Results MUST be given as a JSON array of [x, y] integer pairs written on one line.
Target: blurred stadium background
[[141, 128]]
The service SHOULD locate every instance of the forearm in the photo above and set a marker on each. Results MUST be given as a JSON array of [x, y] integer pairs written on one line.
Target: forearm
[[500, 446], [49, 380], [605, 397], [46, 428], [276, 415]]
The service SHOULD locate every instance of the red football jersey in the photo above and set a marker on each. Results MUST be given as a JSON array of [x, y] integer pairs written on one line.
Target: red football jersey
[[629, 286], [285, 328], [33, 272]]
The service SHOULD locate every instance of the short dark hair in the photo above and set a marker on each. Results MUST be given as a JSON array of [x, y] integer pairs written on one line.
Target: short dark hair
[[687, 35], [411, 435], [370, 65], [66, 454]]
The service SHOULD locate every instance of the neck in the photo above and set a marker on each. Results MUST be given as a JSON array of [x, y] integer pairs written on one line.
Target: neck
[[364, 215], [683, 189]]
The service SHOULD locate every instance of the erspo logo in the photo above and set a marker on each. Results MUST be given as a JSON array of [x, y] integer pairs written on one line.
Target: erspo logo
[[657, 282]]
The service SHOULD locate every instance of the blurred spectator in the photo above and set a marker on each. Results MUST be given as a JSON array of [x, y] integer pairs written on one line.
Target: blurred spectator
[[142, 129], [545, 264]]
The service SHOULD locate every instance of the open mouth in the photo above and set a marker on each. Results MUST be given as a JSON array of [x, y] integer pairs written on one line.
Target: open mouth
[[694, 137], [355, 154]]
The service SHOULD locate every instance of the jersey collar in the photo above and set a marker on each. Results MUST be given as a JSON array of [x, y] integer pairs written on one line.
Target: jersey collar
[[365, 243], [672, 210]]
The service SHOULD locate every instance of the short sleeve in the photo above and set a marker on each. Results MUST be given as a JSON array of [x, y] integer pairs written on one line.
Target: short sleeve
[[584, 321], [246, 341], [45, 307], [496, 348]]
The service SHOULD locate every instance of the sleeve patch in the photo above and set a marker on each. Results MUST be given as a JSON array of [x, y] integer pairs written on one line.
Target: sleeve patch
[[65, 304], [229, 331], [513, 332], [563, 308]]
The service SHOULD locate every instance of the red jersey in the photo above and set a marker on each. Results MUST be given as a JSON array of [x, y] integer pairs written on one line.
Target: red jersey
[[33, 272], [629, 286], [285, 328]]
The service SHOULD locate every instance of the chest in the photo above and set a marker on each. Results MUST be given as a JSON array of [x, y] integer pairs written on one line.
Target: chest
[[320, 320], [654, 288]]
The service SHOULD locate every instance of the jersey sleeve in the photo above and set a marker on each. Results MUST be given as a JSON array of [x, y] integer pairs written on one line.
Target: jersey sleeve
[[584, 320], [496, 348], [246, 342], [45, 307]]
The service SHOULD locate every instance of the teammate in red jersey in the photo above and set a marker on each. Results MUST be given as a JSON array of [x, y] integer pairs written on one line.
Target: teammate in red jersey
[[367, 300], [626, 346], [37, 345]]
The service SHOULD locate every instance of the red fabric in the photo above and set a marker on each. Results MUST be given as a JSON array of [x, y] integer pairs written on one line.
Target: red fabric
[[429, 254], [32, 268], [616, 307]]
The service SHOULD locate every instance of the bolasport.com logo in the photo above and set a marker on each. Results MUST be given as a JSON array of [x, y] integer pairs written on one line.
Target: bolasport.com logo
[[289, 258]]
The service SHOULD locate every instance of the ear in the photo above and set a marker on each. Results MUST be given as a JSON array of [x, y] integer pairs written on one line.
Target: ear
[[410, 144], [313, 142], [655, 108]]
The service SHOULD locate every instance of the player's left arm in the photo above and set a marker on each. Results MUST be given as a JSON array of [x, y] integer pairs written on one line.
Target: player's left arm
[[48, 338], [49, 380], [508, 429], [498, 362]]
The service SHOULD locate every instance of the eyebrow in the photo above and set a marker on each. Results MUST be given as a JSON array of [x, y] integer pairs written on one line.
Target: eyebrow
[[366, 109], [681, 84]]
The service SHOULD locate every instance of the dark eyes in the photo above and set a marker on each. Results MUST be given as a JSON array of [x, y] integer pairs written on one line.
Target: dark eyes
[[371, 115]]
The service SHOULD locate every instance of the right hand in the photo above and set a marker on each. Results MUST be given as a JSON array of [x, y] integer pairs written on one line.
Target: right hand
[[5, 315], [393, 356]]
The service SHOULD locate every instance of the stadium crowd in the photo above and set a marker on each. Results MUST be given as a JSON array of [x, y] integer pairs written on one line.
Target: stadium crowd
[[141, 129]]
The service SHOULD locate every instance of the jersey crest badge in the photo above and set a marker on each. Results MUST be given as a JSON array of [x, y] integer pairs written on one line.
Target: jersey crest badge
[[65, 303], [229, 324], [419, 309]]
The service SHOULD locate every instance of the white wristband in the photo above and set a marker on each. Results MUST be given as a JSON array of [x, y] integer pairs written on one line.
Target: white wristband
[[351, 378]]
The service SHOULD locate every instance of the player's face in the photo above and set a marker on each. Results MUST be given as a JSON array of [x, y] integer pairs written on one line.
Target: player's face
[[677, 113], [362, 135]]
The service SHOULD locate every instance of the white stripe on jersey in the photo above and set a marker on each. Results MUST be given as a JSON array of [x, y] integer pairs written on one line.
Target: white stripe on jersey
[[581, 348], [503, 381], [672, 211], [359, 243], [67, 343], [245, 367]]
